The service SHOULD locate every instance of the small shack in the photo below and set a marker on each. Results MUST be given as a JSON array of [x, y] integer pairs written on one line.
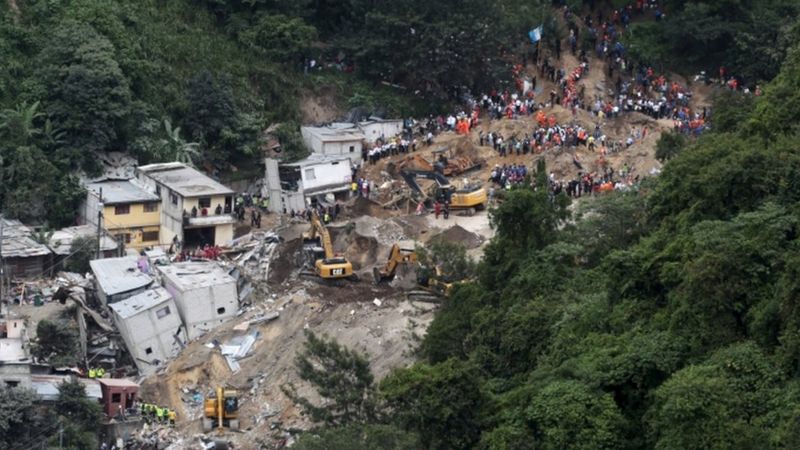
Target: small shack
[[119, 396], [24, 257], [61, 243]]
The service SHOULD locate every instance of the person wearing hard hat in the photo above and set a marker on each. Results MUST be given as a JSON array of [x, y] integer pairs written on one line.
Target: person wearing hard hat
[[171, 416]]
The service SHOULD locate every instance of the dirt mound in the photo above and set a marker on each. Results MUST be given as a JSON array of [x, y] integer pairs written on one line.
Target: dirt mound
[[458, 235], [362, 252], [320, 106], [412, 225], [405, 277], [362, 206], [285, 261]]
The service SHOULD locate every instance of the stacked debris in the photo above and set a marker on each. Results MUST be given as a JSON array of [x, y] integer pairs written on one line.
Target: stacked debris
[[253, 253], [164, 437]]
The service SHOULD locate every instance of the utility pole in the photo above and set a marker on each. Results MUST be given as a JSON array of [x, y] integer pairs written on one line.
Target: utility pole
[[61, 437], [2, 260], [99, 222]]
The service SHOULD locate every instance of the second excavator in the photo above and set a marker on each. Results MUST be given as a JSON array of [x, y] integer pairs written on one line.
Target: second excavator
[[397, 256], [467, 198]]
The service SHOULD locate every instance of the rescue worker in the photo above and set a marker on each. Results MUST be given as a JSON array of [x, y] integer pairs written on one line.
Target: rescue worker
[[160, 414], [100, 372], [92, 373], [171, 415]]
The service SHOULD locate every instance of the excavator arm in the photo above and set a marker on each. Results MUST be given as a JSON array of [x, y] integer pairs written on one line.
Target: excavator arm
[[397, 256], [410, 176]]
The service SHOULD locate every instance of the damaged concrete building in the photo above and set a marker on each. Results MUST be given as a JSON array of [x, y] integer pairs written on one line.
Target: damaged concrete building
[[336, 139], [205, 294], [292, 186], [24, 258], [151, 327], [119, 278]]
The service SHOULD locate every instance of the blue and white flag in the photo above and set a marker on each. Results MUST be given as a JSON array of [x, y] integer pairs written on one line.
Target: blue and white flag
[[536, 34]]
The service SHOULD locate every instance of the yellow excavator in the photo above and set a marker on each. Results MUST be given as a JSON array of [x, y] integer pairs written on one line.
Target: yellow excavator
[[467, 198], [318, 248], [397, 256], [222, 410]]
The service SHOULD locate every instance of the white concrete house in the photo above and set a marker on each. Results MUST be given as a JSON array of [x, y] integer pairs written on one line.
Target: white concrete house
[[374, 129], [151, 327], [194, 208], [15, 363], [291, 186], [204, 292], [340, 139]]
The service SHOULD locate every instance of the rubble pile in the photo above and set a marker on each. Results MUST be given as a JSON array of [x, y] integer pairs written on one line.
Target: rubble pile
[[458, 235], [253, 252], [165, 437]]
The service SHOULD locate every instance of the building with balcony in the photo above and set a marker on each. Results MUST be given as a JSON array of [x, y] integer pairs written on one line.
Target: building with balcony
[[129, 212], [195, 209]]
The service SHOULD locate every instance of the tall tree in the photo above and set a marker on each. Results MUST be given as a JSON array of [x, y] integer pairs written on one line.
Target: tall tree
[[340, 375], [85, 92]]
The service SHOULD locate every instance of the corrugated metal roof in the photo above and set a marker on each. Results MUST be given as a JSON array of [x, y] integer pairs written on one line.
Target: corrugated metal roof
[[184, 180], [117, 382], [187, 276], [317, 158], [141, 302], [61, 241], [122, 191], [46, 386], [119, 275], [335, 133], [18, 241]]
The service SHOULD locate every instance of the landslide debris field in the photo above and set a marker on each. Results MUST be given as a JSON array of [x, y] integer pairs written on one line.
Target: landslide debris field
[[378, 320]]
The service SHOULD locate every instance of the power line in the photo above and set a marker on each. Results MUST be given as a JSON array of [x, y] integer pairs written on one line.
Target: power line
[[46, 434]]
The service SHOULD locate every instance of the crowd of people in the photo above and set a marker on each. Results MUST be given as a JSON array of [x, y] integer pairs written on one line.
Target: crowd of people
[[384, 147]]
